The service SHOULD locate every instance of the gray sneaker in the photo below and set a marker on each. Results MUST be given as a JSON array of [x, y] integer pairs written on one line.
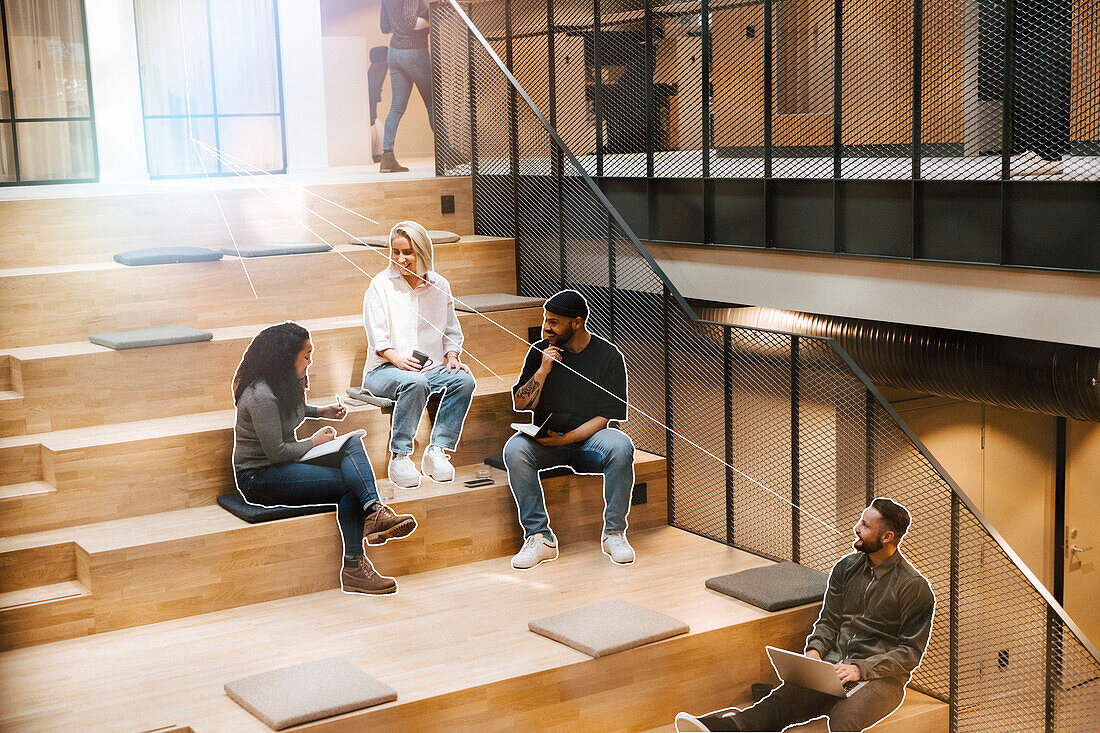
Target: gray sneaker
[[535, 551]]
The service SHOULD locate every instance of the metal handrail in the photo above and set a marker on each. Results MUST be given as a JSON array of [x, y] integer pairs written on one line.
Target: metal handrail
[[957, 491]]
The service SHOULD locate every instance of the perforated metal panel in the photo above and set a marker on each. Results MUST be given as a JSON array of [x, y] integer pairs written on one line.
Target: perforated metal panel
[[776, 442]]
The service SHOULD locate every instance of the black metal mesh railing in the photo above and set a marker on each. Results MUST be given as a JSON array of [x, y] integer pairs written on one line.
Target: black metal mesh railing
[[774, 442], [845, 89]]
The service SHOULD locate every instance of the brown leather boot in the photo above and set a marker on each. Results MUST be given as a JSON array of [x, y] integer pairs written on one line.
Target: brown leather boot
[[383, 525], [389, 163], [363, 578]]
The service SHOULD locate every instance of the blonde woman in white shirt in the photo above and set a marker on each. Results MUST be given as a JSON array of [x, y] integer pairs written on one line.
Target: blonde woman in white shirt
[[408, 307]]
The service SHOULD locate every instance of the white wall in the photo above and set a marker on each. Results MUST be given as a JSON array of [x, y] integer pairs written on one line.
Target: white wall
[[116, 90], [303, 85]]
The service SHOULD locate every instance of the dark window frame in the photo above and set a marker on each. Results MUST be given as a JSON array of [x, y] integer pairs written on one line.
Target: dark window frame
[[12, 122]]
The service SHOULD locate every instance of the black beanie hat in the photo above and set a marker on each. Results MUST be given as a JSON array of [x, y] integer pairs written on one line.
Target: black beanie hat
[[568, 303]]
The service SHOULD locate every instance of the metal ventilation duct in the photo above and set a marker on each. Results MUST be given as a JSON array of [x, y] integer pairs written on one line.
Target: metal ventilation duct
[[1056, 379]]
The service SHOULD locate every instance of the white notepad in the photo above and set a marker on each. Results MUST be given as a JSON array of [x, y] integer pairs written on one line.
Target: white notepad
[[330, 447], [529, 428]]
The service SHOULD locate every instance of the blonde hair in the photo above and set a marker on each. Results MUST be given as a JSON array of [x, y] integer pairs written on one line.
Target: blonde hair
[[420, 241]]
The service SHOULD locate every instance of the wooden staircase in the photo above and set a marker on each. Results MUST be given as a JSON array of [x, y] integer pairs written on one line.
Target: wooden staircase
[[128, 597]]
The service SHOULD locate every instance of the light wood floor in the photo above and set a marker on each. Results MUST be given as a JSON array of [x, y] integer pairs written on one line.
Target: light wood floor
[[445, 631]]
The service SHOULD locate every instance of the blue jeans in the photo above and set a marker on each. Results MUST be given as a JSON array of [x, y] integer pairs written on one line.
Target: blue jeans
[[408, 66], [350, 486], [410, 390], [610, 452]]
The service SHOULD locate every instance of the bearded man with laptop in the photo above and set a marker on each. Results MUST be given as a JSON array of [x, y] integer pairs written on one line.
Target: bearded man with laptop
[[872, 631]]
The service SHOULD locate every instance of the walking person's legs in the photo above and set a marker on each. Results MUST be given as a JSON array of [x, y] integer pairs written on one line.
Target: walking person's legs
[[420, 69], [401, 83]]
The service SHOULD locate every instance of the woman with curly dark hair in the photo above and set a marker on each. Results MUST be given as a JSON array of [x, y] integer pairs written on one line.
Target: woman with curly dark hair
[[269, 390]]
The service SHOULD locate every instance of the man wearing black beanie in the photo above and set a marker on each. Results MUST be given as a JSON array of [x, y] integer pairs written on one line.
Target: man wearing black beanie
[[575, 383]]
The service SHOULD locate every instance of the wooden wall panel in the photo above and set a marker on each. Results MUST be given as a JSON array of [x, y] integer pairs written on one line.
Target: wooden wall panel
[[53, 231]]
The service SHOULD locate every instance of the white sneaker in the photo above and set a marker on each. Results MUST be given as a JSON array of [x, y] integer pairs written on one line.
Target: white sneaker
[[436, 465], [685, 723], [403, 473], [535, 551], [617, 548]]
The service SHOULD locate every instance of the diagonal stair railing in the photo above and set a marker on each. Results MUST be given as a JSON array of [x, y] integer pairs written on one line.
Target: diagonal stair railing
[[775, 441]]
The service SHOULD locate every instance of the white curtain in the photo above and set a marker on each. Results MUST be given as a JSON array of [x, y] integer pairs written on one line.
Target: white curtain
[[49, 80], [177, 40]]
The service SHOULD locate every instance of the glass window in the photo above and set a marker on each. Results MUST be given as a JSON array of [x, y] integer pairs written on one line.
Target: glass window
[[215, 63], [46, 128]]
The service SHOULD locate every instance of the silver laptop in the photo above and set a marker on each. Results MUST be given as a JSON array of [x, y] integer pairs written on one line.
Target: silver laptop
[[814, 674]]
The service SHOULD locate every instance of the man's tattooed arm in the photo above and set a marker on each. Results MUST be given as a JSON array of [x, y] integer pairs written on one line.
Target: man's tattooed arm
[[527, 396]]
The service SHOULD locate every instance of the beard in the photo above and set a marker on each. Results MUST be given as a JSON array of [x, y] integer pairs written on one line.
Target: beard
[[563, 337], [868, 545]]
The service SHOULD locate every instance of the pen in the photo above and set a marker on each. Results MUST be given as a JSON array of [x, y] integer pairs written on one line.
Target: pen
[[338, 402]]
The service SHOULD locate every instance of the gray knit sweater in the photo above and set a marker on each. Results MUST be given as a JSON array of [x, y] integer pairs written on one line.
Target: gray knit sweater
[[263, 436], [399, 18]]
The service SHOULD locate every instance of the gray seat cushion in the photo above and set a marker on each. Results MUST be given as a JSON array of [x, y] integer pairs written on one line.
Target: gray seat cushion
[[773, 587], [441, 236], [160, 336], [167, 255], [236, 505], [608, 627], [438, 236], [309, 691], [280, 248], [363, 395], [489, 302]]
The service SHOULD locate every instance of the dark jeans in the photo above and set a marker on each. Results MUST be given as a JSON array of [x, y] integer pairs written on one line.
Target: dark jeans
[[408, 66], [346, 480], [791, 704]]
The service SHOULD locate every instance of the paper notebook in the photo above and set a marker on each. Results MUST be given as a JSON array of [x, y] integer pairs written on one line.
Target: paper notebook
[[530, 428], [330, 447]]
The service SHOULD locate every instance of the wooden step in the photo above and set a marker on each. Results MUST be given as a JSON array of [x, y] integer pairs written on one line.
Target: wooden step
[[165, 464], [64, 303], [20, 461], [81, 384], [12, 413], [453, 643], [45, 613], [174, 564], [56, 231], [10, 492], [5, 368]]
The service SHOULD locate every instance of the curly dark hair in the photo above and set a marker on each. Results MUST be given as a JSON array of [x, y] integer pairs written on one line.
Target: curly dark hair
[[270, 357]]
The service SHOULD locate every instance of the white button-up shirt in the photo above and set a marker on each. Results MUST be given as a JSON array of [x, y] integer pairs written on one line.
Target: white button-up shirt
[[397, 316]]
